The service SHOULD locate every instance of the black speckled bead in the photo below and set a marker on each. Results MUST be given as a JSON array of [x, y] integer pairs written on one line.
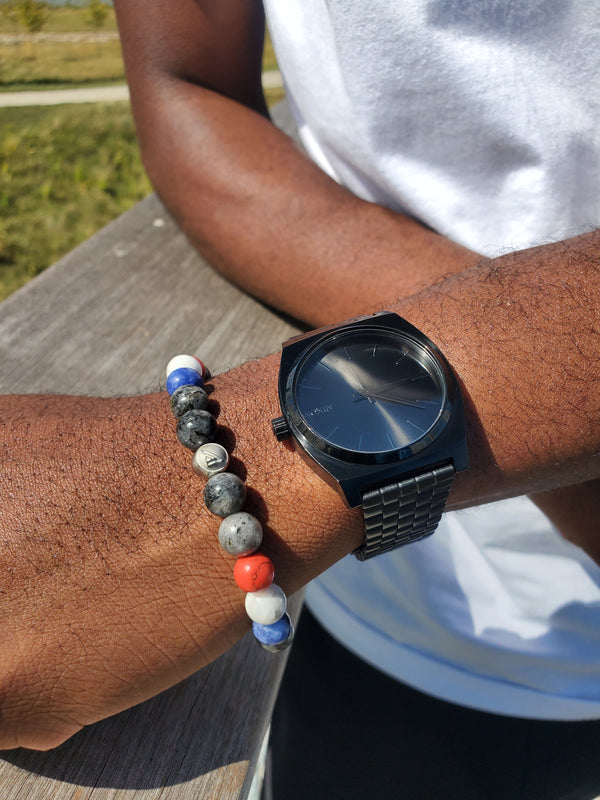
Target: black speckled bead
[[196, 428], [187, 398], [224, 494]]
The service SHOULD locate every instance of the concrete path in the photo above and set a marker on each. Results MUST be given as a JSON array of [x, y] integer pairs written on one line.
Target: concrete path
[[79, 36], [98, 94], [54, 97]]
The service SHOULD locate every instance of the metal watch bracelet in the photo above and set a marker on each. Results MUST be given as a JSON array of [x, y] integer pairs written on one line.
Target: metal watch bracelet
[[404, 511]]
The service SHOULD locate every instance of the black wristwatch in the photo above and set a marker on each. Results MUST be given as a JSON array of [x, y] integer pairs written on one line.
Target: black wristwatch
[[376, 410]]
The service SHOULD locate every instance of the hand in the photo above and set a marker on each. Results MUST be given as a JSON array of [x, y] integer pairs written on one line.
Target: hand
[[113, 586]]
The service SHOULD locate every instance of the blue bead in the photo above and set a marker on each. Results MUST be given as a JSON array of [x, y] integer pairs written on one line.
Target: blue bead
[[274, 637], [183, 377]]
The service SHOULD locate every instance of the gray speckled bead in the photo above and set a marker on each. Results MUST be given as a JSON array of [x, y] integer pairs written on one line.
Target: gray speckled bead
[[224, 494], [196, 428], [186, 398], [240, 534]]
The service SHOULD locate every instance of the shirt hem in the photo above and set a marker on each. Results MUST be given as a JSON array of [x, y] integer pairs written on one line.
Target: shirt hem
[[439, 679]]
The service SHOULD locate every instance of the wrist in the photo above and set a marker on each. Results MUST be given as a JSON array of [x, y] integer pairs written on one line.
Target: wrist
[[307, 525]]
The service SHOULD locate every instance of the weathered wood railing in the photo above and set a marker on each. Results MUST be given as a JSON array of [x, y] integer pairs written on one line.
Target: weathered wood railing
[[103, 321]]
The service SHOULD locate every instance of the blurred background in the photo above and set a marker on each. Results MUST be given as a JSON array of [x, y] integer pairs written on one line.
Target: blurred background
[[66, 169]]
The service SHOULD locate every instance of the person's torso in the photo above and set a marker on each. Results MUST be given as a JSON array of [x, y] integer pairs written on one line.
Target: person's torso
[[482, 120]]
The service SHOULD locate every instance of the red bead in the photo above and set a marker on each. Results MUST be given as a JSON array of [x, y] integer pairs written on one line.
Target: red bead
[[203, 369], [254, 572]]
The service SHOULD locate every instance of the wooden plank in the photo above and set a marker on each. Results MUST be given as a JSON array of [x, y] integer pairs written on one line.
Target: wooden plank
[[102, 321], [105, 319]]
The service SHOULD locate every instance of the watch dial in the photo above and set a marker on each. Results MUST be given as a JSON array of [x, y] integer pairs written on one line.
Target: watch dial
[[369, 391]]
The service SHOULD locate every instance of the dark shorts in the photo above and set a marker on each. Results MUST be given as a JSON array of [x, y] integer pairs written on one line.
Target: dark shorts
[[343, 730]]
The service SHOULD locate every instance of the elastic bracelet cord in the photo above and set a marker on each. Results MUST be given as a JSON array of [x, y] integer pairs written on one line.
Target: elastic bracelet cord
[[240, 533]]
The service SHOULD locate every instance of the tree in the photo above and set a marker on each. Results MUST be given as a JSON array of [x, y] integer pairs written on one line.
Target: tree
[[33, 14], [8, 10], [97, 13]]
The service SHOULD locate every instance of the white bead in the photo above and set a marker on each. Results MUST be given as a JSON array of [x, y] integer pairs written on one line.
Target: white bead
[[185, 362], [210, 459], [266, 606]]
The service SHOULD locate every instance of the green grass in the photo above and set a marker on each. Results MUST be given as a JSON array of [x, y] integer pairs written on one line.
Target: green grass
[[269, 60], [65, 171], [62, 65], [54, 65], [32, 64], [62, 20], [35, 64]]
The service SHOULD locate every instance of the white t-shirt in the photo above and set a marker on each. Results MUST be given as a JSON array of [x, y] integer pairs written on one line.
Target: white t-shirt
[[481, 118]]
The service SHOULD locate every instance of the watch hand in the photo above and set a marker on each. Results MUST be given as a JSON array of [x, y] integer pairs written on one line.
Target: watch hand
[[401, 381], [362, 393], [372, 396], [393, 399], [360, 384]]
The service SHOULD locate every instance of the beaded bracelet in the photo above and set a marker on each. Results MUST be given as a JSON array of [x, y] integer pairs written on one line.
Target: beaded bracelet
[[240, 533]]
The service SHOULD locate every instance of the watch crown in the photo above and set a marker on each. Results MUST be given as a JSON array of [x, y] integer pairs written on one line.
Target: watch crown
[[280, 428]]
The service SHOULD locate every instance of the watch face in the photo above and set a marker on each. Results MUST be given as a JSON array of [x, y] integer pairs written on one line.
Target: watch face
[[369, 392]]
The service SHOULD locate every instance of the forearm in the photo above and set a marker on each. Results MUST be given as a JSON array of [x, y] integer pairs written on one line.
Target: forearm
[[112, 581], [272, 222], [97, 524], [522, 331], [103, 520], [575, 511], [258, 209]]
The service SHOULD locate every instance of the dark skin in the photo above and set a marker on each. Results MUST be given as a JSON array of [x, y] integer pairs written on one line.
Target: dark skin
[[86, 537], [301, 241]]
